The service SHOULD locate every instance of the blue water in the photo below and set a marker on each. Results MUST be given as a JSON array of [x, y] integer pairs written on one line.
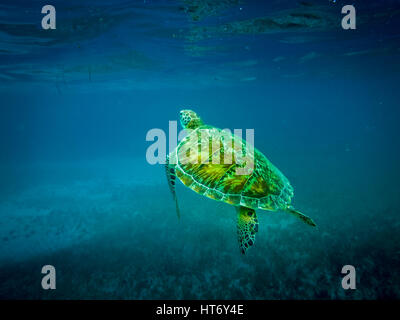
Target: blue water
[[76, 191]]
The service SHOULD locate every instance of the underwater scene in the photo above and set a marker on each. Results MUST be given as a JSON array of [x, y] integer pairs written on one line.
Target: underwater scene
[[91, 95]]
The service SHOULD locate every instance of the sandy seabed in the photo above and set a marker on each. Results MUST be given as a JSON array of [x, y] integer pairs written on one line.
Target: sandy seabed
[[112, 233]]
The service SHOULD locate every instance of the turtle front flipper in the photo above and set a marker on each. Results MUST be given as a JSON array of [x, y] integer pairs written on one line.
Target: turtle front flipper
[[247, 227], [171, 177], [301, 216]]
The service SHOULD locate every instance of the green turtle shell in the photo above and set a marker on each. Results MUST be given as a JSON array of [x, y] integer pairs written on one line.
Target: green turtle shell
[[239, 175]]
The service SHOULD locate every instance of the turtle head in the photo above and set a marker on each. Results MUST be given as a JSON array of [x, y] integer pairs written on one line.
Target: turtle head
[[190, 120]]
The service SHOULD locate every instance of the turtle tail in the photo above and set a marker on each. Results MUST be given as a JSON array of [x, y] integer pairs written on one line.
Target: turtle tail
[[301, 216], [171, 177]]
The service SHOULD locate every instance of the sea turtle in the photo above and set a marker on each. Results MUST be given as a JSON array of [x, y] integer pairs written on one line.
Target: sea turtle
[[221, 166]]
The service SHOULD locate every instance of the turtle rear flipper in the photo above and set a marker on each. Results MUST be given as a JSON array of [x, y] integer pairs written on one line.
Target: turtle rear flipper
[[247, 227], [301, 216], [171, 177]]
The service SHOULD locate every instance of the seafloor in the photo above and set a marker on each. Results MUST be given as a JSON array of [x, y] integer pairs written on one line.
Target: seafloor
[[111, 232]]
